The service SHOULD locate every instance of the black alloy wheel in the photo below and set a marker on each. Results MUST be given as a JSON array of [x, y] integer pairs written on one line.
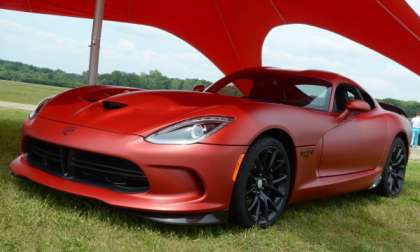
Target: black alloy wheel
[[262, 188], [394, 172]]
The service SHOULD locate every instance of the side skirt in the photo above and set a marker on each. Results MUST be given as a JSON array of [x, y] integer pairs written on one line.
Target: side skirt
[[187, 219]]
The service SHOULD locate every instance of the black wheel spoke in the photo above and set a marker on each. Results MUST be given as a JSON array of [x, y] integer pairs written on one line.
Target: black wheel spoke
[[394, 175], [253, 204], [270, 202], [279, 165], [398, 167], [397, 184], [398, 161], [398, 152], [259, 164], [265, 206], [275, 190], [267, 185], [400, 174], [272, 159], [273, 205], [266, 156], [251, 191], [278, 180], [258, 211], [391, 183]]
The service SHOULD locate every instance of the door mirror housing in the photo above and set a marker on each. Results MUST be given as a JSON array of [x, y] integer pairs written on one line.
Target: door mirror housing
[[357, 106], [199, 88]]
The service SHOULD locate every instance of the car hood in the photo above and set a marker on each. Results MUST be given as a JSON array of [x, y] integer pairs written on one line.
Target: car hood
[[136, 112]]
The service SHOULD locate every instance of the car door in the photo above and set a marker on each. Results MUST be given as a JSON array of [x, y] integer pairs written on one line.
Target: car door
[[356, 143]]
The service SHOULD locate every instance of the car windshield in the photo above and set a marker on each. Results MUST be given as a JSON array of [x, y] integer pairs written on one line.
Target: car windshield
[[292, 90]]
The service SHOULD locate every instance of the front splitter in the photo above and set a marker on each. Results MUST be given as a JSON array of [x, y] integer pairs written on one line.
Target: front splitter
[[187, 219]]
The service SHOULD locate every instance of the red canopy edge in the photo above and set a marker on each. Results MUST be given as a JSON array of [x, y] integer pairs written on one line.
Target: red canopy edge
[[231, 33]]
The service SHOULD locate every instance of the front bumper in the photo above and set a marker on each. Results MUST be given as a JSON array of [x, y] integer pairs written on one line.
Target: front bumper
[[183, 179]]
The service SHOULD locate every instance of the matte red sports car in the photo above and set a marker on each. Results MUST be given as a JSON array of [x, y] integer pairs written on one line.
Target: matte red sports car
[[240, 150]]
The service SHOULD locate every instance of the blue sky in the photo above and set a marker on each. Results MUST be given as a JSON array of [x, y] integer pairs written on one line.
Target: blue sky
[[62, 42]]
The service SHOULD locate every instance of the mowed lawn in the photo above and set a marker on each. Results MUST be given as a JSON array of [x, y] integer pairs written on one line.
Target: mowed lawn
[[35, 218], [12, 91]]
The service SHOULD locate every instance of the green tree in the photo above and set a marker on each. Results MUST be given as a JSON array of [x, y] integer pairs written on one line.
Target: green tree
[[152, 80]]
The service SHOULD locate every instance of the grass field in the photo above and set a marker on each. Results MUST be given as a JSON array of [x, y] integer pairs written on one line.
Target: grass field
[[19, 92], [35, 218]]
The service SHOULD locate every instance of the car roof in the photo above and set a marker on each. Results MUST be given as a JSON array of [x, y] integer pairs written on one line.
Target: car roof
[[331, 77]]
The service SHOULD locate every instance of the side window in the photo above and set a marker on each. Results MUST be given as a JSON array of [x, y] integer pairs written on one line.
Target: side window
[[230, 90], [319, 95], [366, 97], [343, 94], [230, 86]]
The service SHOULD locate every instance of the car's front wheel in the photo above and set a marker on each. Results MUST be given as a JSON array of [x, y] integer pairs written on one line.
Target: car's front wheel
[[394, 171], [262, 186]]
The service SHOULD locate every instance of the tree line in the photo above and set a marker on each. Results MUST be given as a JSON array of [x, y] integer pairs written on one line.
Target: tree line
[[17, 71], [409, 107], [154, 79]]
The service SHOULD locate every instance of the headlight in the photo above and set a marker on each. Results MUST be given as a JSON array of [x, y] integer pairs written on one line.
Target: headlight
[[39, 107], [189, 131]]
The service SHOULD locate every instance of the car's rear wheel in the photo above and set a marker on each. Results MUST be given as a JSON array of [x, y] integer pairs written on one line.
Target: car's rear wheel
[[262, 186], [394, 171]]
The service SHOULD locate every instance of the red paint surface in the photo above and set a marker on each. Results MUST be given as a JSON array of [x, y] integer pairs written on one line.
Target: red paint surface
[[231, 33], [345, 154]]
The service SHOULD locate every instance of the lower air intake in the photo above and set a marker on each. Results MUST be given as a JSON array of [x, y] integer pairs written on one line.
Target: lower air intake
[[86, 167]]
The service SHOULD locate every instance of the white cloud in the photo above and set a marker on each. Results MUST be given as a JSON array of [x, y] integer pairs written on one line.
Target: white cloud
[[36, 46], [135, 48], [282, 58], [126, 45], [305, 47]]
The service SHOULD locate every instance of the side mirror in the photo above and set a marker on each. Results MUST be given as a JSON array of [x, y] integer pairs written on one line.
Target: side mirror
[[357, 106], [199, 88]]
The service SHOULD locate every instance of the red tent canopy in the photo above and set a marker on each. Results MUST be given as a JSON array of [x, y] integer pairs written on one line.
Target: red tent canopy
[[231, 32]]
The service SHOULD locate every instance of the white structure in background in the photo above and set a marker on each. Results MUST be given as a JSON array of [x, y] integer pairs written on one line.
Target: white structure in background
[[416, 121], [416, 130]]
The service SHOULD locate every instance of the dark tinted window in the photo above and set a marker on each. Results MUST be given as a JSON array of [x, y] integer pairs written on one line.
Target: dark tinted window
[[292, 90], [301, 94], [343, 94], [366, 97]]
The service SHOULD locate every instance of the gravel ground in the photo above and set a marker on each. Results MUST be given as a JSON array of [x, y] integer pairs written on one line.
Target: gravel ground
[[14, 105]]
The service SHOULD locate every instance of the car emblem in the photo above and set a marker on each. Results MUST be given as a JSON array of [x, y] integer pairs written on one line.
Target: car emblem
[[68, 130], [306, 153]]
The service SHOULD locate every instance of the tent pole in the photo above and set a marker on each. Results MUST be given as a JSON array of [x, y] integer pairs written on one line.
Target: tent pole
[[96, 42]]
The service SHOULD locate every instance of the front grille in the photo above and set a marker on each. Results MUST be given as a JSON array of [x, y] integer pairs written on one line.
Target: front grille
[[86, 167]]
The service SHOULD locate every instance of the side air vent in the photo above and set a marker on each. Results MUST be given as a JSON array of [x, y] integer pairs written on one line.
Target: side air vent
[[113, 105]]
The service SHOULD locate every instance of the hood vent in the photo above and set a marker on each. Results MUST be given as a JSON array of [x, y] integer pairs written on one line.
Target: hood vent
[[113, 105]]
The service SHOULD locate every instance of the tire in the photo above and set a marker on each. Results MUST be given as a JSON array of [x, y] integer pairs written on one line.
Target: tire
[[262, 187], [394, 171]]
